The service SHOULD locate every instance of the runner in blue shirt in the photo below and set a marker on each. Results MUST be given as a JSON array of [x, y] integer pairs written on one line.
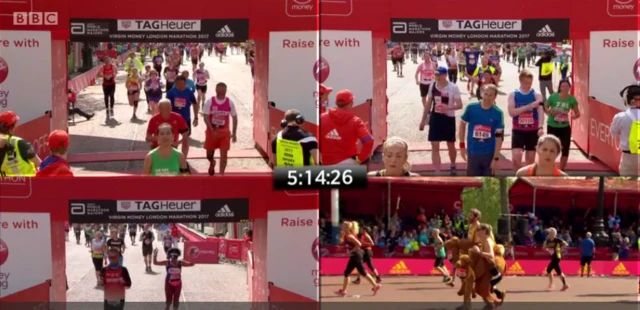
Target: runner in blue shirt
[[586, 254], [482, 127], [471, 56], [182, 100], [191, 85]]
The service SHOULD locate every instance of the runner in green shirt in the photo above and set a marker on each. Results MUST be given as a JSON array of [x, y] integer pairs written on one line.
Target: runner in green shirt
[[165, 160], [558, 107], [522, 56]]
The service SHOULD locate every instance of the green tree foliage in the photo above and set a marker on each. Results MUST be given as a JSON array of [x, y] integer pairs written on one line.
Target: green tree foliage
[[486, 199]]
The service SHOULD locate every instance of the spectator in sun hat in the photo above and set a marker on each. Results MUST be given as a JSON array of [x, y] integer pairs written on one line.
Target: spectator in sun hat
[[56, 165], [17, 156], [340, 130], [324, 98]]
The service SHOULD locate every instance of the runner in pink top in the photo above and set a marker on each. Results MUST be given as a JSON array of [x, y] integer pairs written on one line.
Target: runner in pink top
[[201, 77], [218, 111]]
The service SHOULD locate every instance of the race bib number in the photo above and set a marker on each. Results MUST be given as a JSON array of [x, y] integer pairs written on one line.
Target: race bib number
[[441, 108], [147, 241], [461, 273], [108, 76], [180, 102], [562, 118], [154, 85], [526, 119], [481, 132], [218, 122], [133, 87]]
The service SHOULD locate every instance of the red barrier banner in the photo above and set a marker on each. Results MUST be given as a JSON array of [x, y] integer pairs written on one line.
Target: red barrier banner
[[424, 267], [285, 299], [234, 249], [34, 295], [201, 252], [520, 252]]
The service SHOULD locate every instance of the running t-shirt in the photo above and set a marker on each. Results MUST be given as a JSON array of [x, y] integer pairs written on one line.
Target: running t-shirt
[[167, 241], [563, 106], [116, 280], [147, 239], [178, 124], [181, 101], [97, 248], [440, 251], [554, 247], [427, 73], [115, 243], [174, 274], [526, 121], [165, 167], [443, 98], [482, 125], [108, 74], [494, 60], [522, 53], [471, 58]]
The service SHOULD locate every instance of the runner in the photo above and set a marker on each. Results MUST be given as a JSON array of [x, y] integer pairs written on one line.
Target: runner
[[132, 63], [462, 63], [201, 76], [178, 124], [367, 243], [558, 107], [587, 246], [147, 239], [356, 258], [173, 280], [153, 89], [67, 228], [626, 126], [77, 229], [175, 235], [471, 56], [395, 152], [554, 246], [425, 76], [171, 72], [545, 75], [133, 232], [191, 85], [452, 63], [97, 249], [548, 148], [133, 85], [217, 112], [158, 60], [442, 101], [182, 100], [527, 111], [397, 59], [195, 57], [494, 61], [115, 243], [167, 241], [108, 73], [116, 280], [165, 160], [441, 255], [485, 66], [482, 131], [88, 235]]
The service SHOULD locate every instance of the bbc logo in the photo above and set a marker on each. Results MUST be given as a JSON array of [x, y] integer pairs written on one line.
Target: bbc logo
[[35, 18]]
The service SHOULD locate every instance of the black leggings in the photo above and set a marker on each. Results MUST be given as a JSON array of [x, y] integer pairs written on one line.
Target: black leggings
[[554, 265], [109, 95], [355, 262], [368, 255], [453, 76]]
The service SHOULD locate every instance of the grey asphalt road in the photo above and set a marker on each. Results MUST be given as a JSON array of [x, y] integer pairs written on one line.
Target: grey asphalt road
[[122, 135], [202, 284]]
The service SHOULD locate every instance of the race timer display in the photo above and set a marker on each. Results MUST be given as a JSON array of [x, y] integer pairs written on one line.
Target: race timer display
[[317, 177]]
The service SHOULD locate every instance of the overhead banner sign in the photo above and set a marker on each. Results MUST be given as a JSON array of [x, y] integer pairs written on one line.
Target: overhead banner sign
[[158, 211], [479, 30], [149, 30]]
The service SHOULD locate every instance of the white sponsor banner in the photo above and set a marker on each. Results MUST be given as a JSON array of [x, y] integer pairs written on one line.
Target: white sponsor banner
[[479, 25], [158, 25], [348, 59], [292, 56], [160, 206], [292, 252], [25, 251], [25, 73], [614, 63]]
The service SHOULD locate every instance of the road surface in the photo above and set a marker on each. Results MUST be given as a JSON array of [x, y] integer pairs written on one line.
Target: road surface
[[405, 112], [124, 135], [202, 284]]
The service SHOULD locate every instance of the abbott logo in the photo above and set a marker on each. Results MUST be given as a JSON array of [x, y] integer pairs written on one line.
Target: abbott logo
[[78, 28], [78, 209], [35, 18], [399, 27]]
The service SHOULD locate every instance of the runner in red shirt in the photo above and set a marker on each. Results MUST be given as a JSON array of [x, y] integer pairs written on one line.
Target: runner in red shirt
[[340, 130], [324, 98], [165, 115], [56, 165]]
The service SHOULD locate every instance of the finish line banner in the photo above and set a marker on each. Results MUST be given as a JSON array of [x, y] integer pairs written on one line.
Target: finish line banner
[[159, 211], [479, 30], [424, 267], [147, 30]]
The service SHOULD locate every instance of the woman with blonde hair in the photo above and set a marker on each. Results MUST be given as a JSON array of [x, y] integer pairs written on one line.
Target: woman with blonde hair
[[548, 149], [133, 85], [356, 257], [395, 152]]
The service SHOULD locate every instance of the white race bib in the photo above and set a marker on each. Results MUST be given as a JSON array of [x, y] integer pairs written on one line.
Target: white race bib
[[526, 119], [180, 102], [218, 122], [481, 132]]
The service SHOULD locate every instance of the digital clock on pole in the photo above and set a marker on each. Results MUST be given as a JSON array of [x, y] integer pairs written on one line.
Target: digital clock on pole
[[317, 177]]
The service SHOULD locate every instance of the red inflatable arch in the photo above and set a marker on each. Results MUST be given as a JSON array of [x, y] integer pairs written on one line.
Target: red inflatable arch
[[54, 197], [590, 132], [264, 16]]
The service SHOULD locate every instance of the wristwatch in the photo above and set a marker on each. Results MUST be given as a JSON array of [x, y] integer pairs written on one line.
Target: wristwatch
[[496, 158]]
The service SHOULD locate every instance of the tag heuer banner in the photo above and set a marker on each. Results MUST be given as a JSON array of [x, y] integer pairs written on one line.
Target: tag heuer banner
[[479, 30], [150, 30], [159, 211]]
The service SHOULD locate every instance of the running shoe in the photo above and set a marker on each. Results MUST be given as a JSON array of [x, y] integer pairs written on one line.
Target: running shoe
[[356, 281], [376, 288], [564, 288], [341, 292]]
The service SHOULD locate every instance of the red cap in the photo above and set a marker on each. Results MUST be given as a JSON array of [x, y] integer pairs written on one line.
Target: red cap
[[344, 97], [58, 139], [325, 90], [9, 118]]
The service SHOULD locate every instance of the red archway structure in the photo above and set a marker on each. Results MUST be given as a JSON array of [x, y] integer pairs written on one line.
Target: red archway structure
[[264, 17], [54, 199], [590, 132]]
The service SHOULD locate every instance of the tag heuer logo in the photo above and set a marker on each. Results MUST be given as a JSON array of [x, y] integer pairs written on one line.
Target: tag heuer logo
[[224, 212], [126, 24], [225, 32], [447, 23]]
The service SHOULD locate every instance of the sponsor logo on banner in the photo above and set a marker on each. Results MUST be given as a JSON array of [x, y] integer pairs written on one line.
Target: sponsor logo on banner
[[224, 212], [20, 268], [16, 47], [400, 268], [437, 272], [515, 269], [158, 205], [315, 249], [622, 8], [300, 8], [35, 18], [621, 270], [480, 25], [159, 25], [321, 70], [636, 71]]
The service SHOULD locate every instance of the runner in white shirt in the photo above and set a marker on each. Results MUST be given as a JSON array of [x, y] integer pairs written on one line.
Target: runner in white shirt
[[425, 76], [201, 77]]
